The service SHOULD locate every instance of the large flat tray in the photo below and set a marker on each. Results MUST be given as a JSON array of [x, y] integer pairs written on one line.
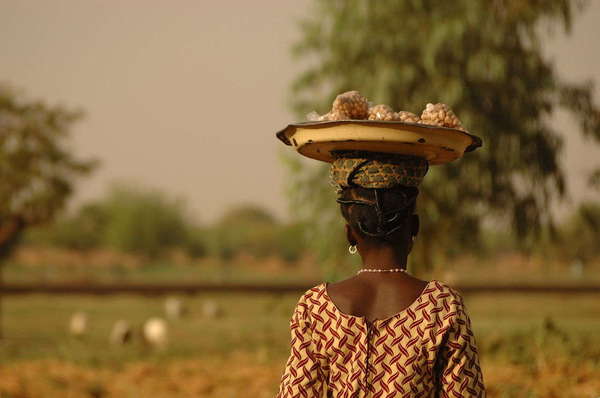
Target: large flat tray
[[438, 145]]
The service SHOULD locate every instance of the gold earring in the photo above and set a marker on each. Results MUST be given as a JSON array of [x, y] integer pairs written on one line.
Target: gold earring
[[352, 249]]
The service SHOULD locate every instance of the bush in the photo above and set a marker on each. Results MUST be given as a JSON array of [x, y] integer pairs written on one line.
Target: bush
[[81, 231], [143, 221], [147, 222], [134, 220], [291, 242], [245, 228], [195, 243], [580, 234]]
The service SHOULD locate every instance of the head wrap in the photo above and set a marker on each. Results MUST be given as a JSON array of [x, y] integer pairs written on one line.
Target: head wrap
[[376, 169]]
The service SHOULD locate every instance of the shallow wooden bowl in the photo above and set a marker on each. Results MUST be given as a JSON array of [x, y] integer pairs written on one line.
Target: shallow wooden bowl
[[438, 145]]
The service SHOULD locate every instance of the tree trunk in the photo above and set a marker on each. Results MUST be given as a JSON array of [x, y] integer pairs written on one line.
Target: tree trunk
[[10, 232]]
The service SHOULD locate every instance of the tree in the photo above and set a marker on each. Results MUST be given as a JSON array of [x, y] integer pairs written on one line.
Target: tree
[[37, 169], [580, 234], [244, 228], [484, 59], [143, 221]]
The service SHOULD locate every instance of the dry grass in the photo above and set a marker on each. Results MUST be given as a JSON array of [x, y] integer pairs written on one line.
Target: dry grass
[[236, 376], [39, 264], [250, 375], [239, 375], [559, 378]]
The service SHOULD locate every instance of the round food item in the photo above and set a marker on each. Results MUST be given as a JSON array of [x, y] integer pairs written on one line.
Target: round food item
[[352, 104], [408, 117], [381, 112], [440, 115]]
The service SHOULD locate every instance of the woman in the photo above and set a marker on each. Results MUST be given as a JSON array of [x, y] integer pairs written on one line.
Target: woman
[[382, 332]]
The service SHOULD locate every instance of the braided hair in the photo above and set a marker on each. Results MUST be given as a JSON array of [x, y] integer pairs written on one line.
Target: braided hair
[[378, 213]]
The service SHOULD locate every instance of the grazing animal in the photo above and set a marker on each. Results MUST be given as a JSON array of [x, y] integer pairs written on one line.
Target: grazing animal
[[175, 308], [78, 324], [121, 333], [211, 309], [155, 332]]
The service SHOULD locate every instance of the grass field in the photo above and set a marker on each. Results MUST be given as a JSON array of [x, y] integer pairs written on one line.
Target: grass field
[[34, 265], [531, 346]]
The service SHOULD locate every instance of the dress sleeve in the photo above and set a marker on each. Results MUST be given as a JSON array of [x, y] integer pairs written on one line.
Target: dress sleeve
[[303, 376], [461, 375]]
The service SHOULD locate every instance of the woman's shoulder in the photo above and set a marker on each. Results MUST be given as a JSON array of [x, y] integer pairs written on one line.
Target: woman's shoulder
[[311, 296], [448, 301], [443, 287]]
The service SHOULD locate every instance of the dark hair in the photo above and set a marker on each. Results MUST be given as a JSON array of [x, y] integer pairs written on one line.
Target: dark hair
[[379, 213]]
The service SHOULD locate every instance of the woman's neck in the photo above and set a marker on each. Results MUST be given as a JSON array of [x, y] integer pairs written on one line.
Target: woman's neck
[[384, 257]]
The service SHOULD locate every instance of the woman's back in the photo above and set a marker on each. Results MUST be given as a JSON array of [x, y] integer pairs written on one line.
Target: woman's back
[[426, 349], [375, 297]]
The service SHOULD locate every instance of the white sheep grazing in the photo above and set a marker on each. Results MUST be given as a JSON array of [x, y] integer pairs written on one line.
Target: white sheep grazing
[[121, 332], [155, 332], [78, 324], [175, 308], [211, 309]]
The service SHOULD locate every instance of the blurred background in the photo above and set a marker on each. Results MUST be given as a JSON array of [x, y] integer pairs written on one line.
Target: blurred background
[[154, 232]]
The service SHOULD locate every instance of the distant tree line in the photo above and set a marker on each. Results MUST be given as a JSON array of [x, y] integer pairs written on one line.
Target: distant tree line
[[574, 238], [148, 222]]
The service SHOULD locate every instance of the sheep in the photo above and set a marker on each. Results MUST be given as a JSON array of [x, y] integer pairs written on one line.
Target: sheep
[[121, 333], [78, 324], [175, 308], [211, 309], [155, 332]]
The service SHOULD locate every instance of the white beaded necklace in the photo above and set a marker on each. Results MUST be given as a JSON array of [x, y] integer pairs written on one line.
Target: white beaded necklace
[[380, 270]]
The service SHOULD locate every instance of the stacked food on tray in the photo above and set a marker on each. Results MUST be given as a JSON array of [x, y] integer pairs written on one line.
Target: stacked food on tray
[[354, 124], [351, 105]]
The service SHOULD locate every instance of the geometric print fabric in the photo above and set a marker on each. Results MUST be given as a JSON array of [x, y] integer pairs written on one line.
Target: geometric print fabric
[[426, 350], [375, 171]]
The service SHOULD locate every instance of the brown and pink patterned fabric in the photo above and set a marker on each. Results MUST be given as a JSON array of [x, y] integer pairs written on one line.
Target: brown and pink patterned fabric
[[425, 350]]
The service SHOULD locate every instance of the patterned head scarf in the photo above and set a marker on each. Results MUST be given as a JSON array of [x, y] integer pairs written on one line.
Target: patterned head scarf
[[376, 170]]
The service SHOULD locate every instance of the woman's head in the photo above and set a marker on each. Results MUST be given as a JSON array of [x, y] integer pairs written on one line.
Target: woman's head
[[377, 194], [380, 216]]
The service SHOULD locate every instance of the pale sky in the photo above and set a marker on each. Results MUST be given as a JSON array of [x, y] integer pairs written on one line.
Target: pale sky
[[186, 96]]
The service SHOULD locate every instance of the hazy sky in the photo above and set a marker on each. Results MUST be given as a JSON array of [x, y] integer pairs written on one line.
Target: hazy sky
[[186, 96]]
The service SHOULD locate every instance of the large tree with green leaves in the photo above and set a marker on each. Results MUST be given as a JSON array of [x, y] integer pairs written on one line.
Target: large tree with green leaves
[[485, 60], [37, 167]]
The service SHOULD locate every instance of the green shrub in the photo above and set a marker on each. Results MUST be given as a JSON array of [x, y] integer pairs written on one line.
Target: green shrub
[[581, 233], [291, 242], [130, 219], [195, 243], [80, 231], [244, 228], [143, 221]]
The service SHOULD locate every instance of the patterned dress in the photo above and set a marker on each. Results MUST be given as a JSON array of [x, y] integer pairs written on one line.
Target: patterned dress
[[425, 350]]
